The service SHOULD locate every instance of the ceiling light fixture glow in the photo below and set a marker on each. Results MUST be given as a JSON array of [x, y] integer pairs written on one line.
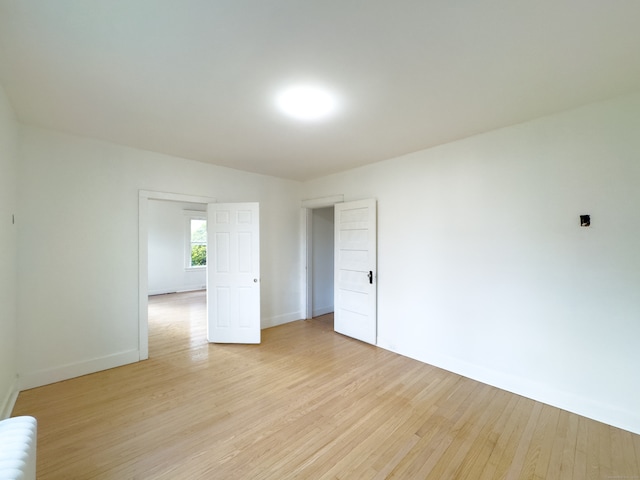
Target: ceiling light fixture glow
[[307, 103]]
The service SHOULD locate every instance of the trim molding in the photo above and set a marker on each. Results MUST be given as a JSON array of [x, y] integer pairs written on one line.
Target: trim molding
[[175, 197], [323, 201], [181, 289], [280, 320], [72, 370], [322, 311], [306, 241]]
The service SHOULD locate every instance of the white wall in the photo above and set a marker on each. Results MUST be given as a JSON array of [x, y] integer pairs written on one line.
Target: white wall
[[78, 200], [8, 256], [167, 246], [322, 233], [484, 270]]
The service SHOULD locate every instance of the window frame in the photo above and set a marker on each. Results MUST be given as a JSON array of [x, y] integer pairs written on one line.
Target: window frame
[[193, 215]]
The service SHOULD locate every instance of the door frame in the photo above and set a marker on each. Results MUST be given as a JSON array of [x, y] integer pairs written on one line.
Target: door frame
[[307, 233], [143, 257]]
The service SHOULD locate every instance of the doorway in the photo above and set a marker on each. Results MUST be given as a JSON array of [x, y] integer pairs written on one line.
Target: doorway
[[176, 247], [177, 276], [355, 265], [319, 244], [322, 258], [144, 197]]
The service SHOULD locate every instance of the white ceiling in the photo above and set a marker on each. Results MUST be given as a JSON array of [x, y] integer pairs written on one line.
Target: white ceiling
[[196, 78]]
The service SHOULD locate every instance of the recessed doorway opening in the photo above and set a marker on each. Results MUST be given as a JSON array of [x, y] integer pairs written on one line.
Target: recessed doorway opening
[[320, 246], [354, 265], [144, 219], [322, 258]]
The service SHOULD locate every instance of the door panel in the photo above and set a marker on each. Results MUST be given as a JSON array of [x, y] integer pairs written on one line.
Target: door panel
[[233, 273], [355, 270]]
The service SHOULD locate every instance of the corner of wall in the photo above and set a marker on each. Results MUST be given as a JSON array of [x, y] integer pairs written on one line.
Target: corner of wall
[[7, 404], [8, 255]]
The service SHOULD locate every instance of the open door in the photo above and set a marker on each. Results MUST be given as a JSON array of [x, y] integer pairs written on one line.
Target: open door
[[233, 273], [355, 292]]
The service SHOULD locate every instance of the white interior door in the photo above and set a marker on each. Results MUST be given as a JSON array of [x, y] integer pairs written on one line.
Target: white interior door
[[355, 303], [233, 273]]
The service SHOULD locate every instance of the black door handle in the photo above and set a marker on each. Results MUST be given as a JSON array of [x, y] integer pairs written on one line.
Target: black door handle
[[370, 276]]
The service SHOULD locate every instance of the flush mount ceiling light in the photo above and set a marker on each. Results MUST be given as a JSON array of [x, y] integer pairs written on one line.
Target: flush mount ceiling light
[[307, 103]]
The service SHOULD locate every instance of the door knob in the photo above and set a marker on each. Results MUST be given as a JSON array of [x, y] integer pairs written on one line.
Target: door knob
[[370, 276]]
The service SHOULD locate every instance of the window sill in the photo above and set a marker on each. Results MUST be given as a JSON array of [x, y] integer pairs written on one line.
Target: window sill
[[195, 269]]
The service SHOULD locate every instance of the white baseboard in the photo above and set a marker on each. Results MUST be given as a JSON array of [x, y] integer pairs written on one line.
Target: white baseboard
[[322, 311], [7, 404], [543, 393], [568, 401], [64, 372], [280, 320], [191, 288], [160, 292], [195, 288]]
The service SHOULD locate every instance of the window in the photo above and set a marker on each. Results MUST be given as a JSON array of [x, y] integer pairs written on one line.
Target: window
[[197, 244]]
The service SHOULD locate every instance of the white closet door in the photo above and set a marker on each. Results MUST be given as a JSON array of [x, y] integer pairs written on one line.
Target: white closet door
[[355, 295]]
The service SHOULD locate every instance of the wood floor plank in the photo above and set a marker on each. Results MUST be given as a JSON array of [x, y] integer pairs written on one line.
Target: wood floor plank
[[462, 437], [522, 441], [549, 439], [580, 456], [566, 449], [486, 441], [593, 451], [623, 454], [534, 462], [305, 404], [433, 432], [508, 438], [636, 447]]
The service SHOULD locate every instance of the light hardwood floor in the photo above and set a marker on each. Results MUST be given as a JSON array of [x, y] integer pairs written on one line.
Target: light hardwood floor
[[306, 403]]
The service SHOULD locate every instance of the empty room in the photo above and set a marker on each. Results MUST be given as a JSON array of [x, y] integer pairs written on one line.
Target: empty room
[[320, 240]]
